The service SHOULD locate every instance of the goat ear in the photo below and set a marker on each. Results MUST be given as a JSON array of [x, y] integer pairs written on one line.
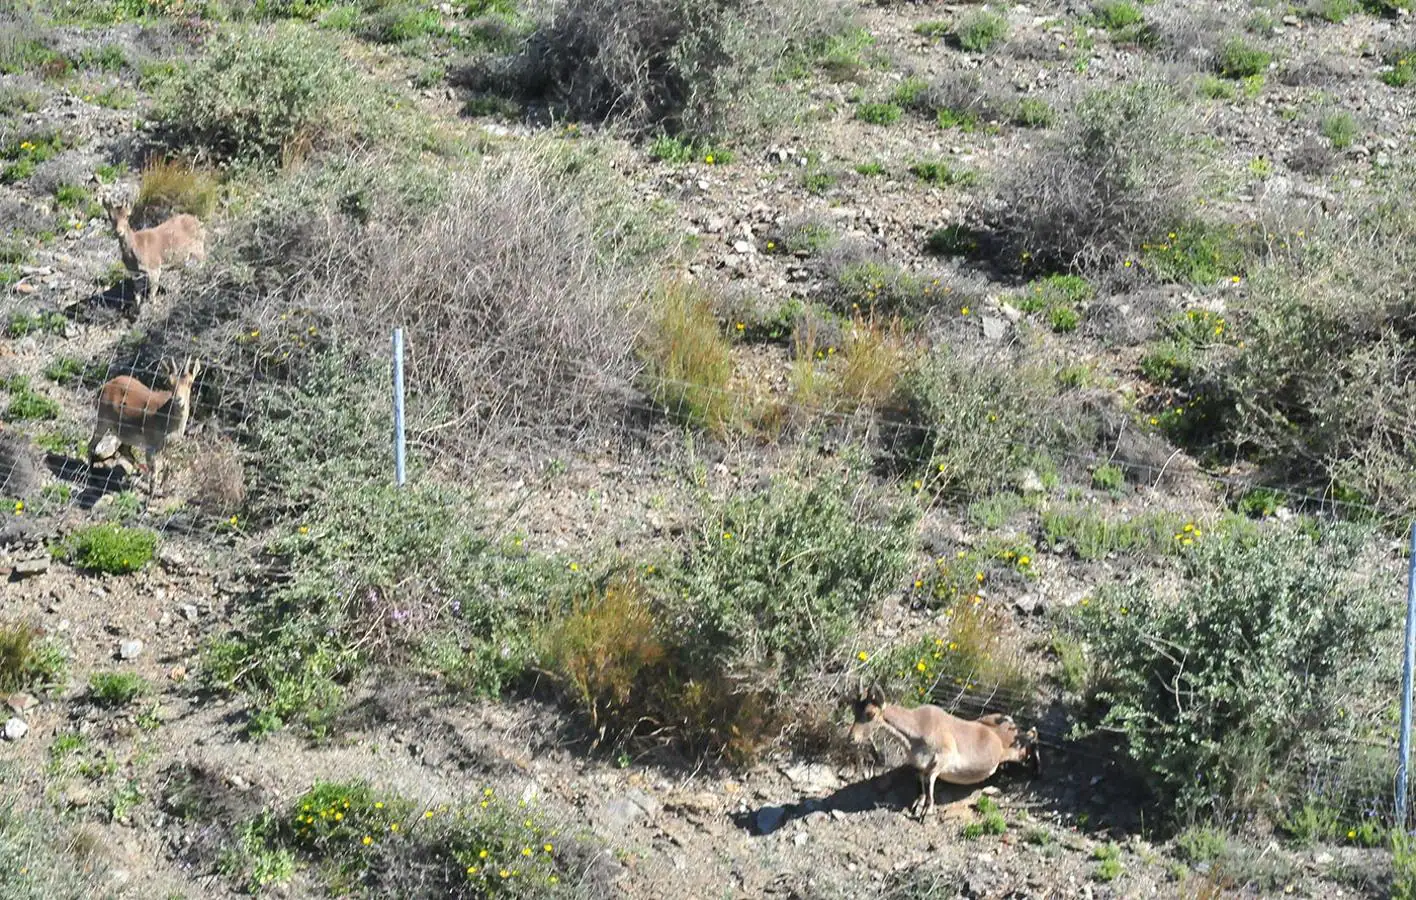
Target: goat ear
[[876, 694]]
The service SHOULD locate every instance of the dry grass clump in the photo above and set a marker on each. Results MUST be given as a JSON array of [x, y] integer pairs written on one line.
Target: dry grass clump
[[689, 364], [514, 284], [676, 65], [1118, 173], [170, 187]]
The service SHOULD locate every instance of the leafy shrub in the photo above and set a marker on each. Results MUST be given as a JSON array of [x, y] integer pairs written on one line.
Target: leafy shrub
[[399, 23], [1087, 198], [885, 289], [257, 95], [1197, 253], [1115, 15], [673, 65], [1402, 68], [965, 421], [689, 361], [777, 580], [1108, 478], [111, 549], [366, 842], [981, 31], [115, 689], [28, 662], [26, 402], [1316, 354], [1210, 717]]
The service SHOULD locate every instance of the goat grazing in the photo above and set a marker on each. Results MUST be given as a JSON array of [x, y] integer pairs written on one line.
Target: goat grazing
[[142, 417], [146, 252], [940, 745]]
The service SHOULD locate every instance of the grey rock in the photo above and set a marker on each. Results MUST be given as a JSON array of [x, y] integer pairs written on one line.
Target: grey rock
[[130, 649], [189, 612], [995, 328], [1031, 483], [15, 729], [21, 702], [800, 838], [627, 808], [29, 567], [812, 777], [19, 468], [770, 818], [1030, 605]]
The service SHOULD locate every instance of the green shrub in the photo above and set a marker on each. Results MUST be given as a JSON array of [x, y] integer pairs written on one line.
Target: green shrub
[[1209, 717], [942, 174], [399, 23], [1339, 128], [111, 549], [1402, 69], [23, 323], [1315, 356], [981, 31], [780, 579], [115, 689], [1334, 11], [967, 422], [1198, 253], [258, 95], [27, 403], [879, 113], [1236, 59], [1115, 15], [366, 842], [28, 662], [1034, 112], [1108, 478]]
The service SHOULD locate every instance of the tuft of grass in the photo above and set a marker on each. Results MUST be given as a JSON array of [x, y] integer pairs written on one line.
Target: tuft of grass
[[1092, 535], [1334, 11], [879, 113], [111, 549], [689, 360], [941, 174], [935, 28], [1401, 71], [1034, 112], [1115, 15], [871, 169], [169, 187], [115, 689], [1237, 59], [26, 403], [1108, 859], [1108, 478], [1340, 128], [1197, 252], [29, 662], [981, 31]]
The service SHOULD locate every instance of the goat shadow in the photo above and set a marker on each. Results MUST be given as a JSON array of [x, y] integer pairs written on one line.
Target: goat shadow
[[94, 483], [895, 789]]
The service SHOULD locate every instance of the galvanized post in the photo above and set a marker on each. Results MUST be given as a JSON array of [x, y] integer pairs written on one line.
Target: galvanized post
[[398, 446], [1404, 748]]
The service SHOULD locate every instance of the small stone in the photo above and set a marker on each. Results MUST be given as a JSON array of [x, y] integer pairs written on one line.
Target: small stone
[[814, 777], [189, 612], [1028, 605], [79, 796], [130, 649], [1323, 859], [177, 673], [743, 247], [995, 328], [15, 729], [21, 702], [29, 567], [837, 815], [800, 838]]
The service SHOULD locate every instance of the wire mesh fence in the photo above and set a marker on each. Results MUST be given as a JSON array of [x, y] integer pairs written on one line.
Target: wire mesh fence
[[218, 387]]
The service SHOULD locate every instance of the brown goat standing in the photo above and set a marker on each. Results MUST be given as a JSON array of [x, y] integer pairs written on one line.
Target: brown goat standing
[[142, 417], [146, 252]]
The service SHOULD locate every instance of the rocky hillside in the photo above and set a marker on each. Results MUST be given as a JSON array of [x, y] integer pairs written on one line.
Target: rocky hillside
[[1050, 360]]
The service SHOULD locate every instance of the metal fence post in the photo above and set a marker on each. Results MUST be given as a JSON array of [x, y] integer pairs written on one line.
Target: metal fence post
[[1404, 743], [398, 446]]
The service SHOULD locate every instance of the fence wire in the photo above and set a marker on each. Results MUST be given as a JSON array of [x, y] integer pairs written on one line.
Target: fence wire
[[230, 392]]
